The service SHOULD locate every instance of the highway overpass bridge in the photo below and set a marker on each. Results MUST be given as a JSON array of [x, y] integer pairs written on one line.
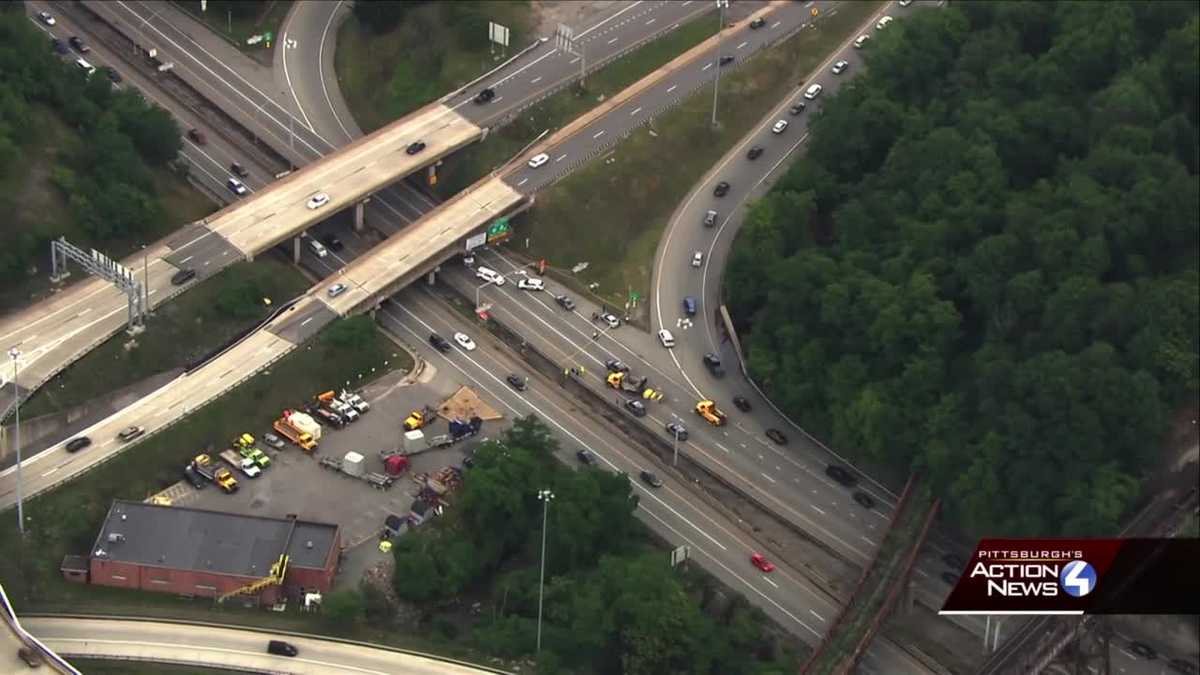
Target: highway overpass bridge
[[53, 333]]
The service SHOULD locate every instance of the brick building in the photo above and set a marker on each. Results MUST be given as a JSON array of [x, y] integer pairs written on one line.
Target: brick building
[[172, 549]]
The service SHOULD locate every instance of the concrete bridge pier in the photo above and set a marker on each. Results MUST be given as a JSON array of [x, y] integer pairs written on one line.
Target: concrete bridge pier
[[296, 248], [360, 215]]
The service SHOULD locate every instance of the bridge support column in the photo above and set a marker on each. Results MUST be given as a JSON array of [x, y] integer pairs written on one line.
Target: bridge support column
[[296, 249], [431, 278], [360, 214], [375, 310]]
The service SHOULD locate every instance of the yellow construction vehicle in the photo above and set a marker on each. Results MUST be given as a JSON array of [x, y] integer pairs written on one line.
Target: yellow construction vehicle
[[278, 572], [708, 410], [224, 478], [416, 419]]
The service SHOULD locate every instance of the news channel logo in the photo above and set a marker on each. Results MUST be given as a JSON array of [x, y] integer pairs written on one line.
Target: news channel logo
[[1077, 578]]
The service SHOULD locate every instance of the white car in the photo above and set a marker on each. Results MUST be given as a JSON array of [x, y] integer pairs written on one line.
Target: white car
[[317, 248], [840, 67], [665, 337], [489, 274], [538, 160], [249, 468], [237, 187], [46, 18], [883, 23], [697, 258], [272, 440], [860, 41], [336, 290], [464, 341], [780, 127], [813, 92], [318, 200], [610, 319], [531, 285]]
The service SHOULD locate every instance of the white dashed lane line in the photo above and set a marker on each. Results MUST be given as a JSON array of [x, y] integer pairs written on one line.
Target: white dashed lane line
[[671, 88], [598, 134], [743, 44], [635, 111]]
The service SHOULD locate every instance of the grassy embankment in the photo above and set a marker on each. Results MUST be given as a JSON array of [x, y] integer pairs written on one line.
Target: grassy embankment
[[180, 331], [36, 206], [612, 214], [387, 75], [65, 520]]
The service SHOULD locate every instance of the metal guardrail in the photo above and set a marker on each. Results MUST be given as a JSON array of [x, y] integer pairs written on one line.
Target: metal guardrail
[[10, 617], [274, 632]]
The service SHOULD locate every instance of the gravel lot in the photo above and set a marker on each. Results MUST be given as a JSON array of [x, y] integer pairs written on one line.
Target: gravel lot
[[296, 483]]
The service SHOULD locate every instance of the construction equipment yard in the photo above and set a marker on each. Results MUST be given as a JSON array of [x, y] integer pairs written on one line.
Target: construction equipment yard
[[330, 486]]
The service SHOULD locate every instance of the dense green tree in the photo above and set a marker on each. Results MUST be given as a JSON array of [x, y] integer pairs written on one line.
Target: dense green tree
[[104, 178], [382, 15], [985, 268]]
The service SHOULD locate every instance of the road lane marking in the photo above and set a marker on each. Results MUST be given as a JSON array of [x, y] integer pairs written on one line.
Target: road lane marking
[[743, 44], [772, 583], [50, 471], [817, 615], [186, 259], [598, 134], [817, 509], [635, 111], [766, 476], [671, 88], [613, 40], [864, 538], [776, 24], [651, 21], [561, 157], [575, 60], [536, 80], [615, 15], [305, 322], [707, 66], [523, 181]]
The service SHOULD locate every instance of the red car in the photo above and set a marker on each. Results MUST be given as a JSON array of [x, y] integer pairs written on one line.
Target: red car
[[762, 563]]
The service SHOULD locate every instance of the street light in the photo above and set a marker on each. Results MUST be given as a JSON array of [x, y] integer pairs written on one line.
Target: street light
[[14, 353], [675, 433], [721, 5], [544, 496]]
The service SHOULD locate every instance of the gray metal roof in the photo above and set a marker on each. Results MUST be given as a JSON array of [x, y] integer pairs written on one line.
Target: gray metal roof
[[213, 541]]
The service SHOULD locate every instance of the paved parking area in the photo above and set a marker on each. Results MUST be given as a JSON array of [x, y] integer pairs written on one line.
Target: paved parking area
[[296, 483]]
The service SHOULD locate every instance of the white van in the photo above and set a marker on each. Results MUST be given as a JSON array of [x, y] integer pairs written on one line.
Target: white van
[[488, 274], [317, 248], [665, 337], [85, 67]]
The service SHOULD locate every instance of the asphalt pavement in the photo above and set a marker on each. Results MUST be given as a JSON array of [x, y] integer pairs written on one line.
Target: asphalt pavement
[[238, 648]]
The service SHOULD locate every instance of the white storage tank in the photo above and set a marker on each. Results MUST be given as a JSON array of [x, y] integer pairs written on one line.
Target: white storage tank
[[414, 441], [353, 465]]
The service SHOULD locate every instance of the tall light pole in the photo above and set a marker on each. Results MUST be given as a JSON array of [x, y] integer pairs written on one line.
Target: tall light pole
[[545, 496], [721, 5], [146, 281], [675, 433], [15, 353]]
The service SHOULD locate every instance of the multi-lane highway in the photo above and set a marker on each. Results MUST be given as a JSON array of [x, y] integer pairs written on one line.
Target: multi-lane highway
[[816, 613], [52, 334]]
